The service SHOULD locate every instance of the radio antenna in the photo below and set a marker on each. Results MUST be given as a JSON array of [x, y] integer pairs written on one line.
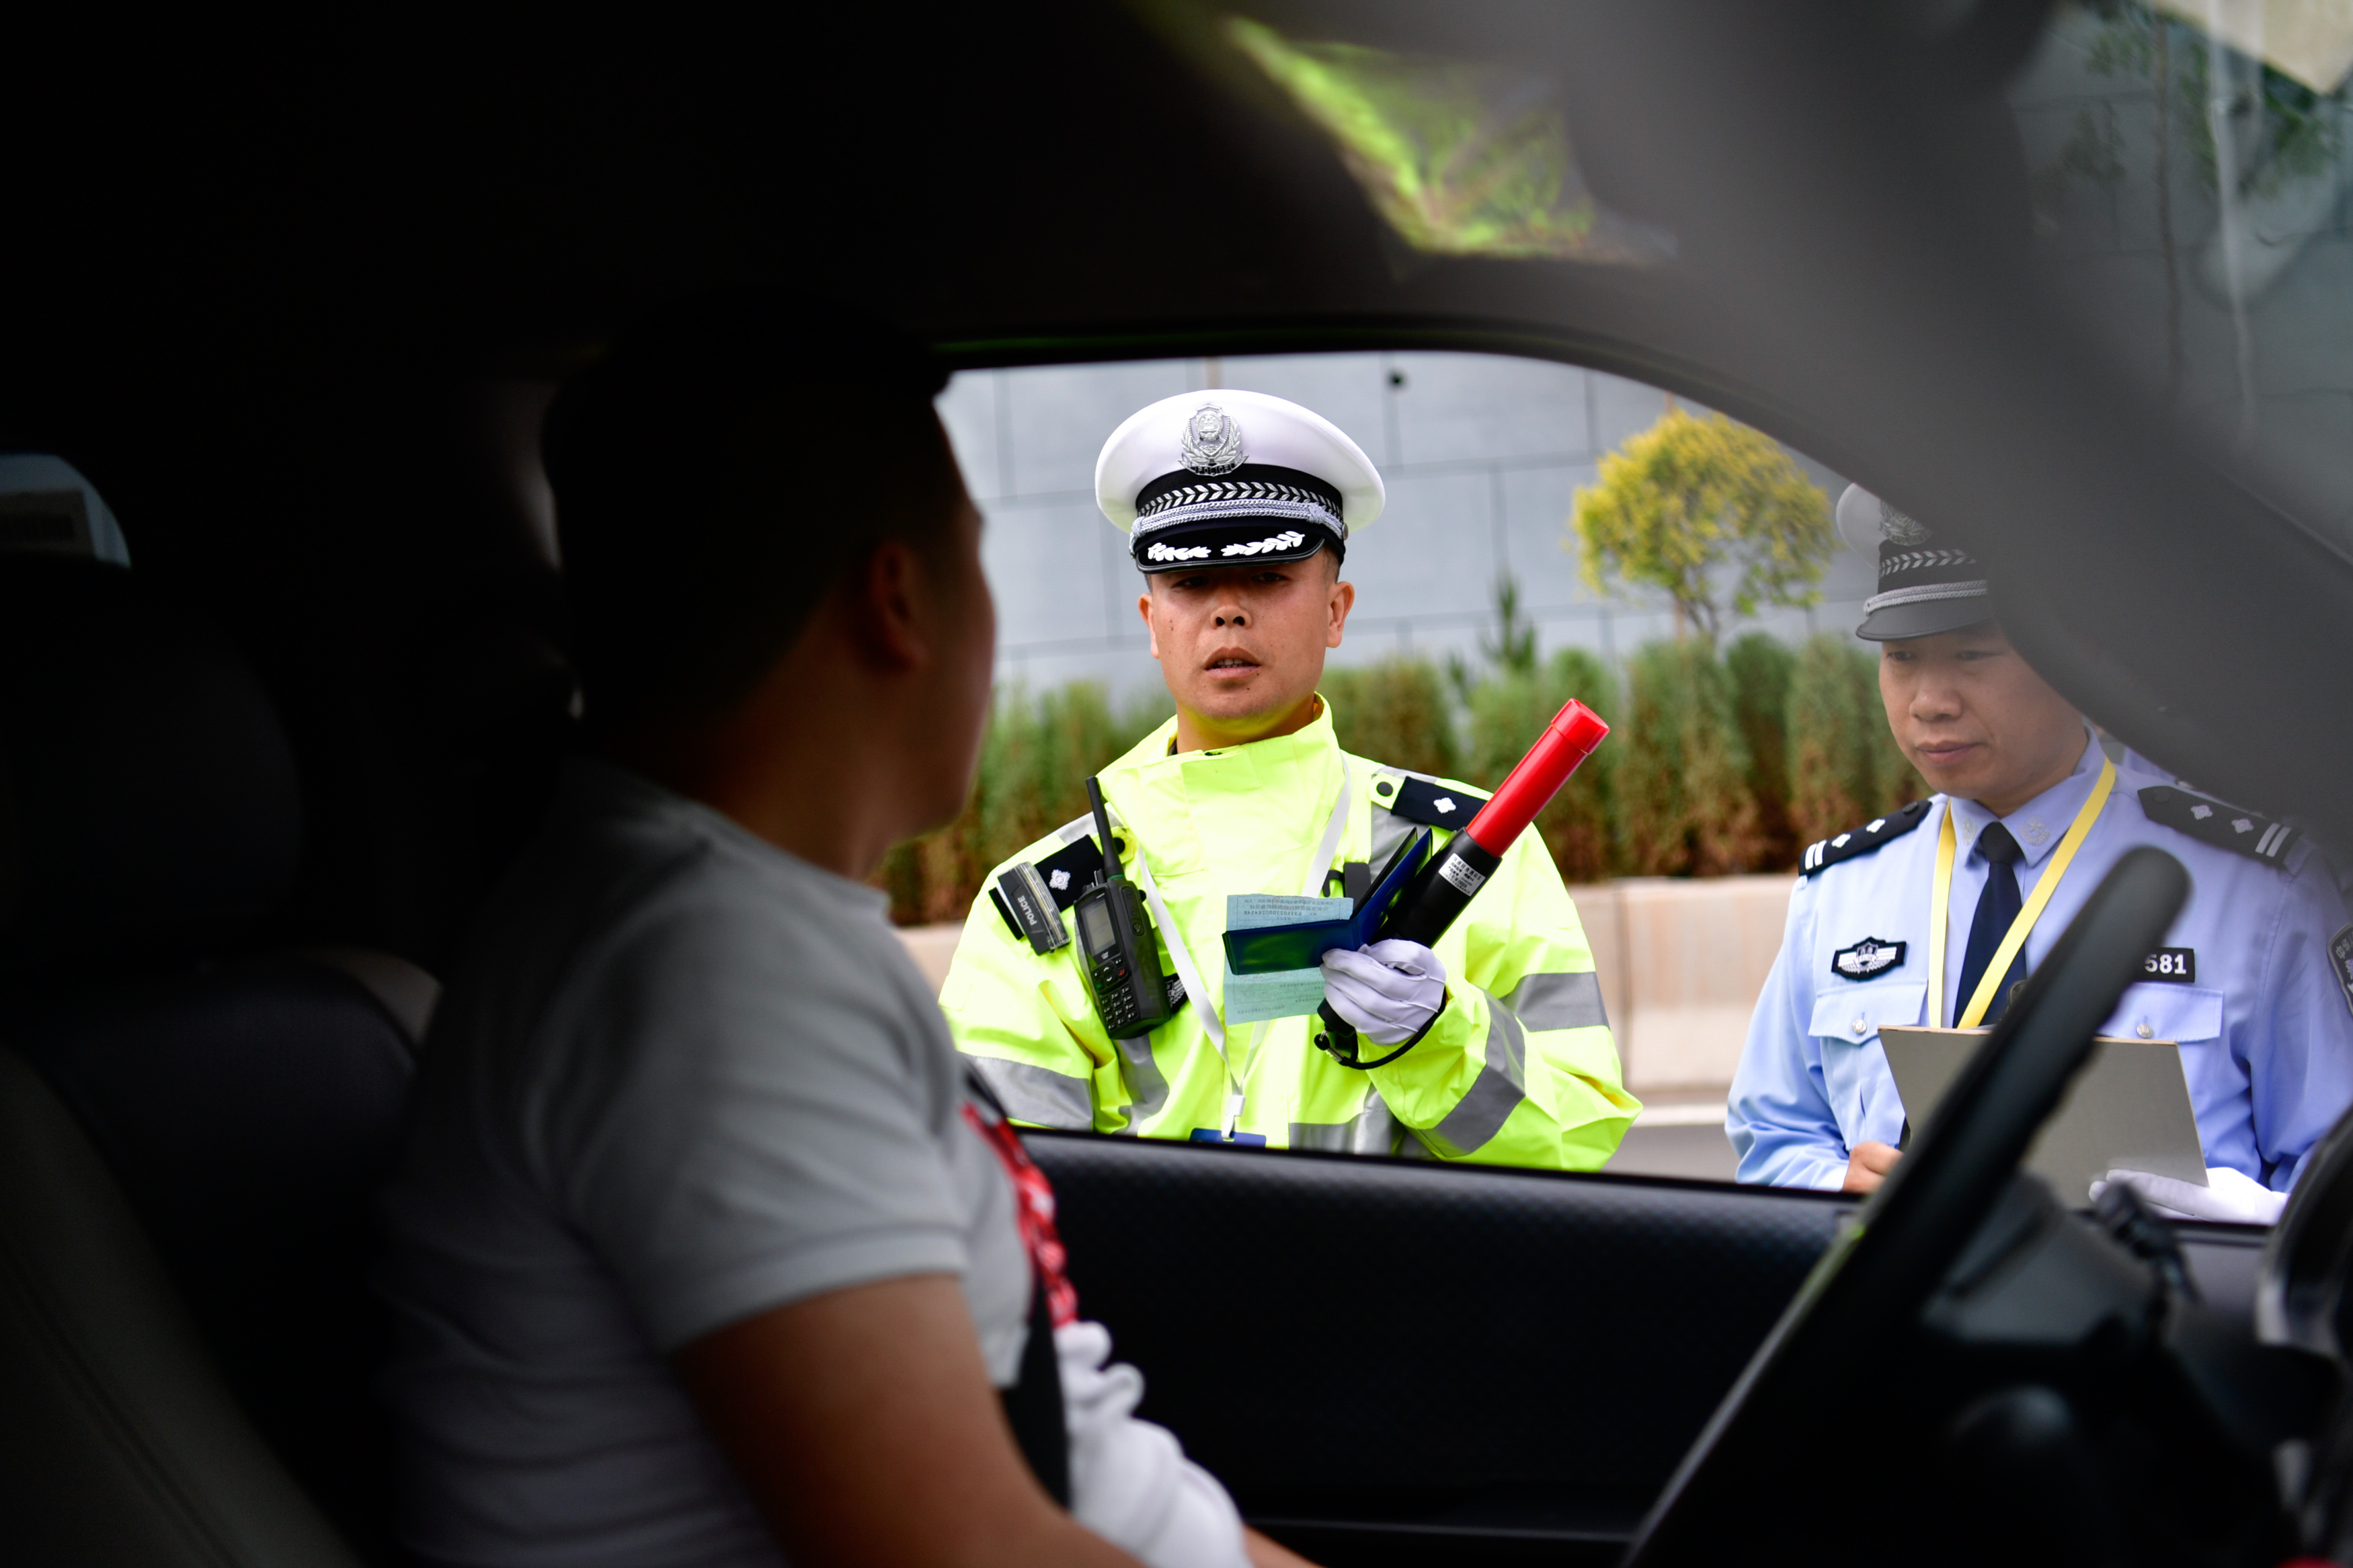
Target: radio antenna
[[1102, 829]]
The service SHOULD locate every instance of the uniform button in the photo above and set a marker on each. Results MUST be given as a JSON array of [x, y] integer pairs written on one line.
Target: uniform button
[[1861, 1027], [2145, 1032]]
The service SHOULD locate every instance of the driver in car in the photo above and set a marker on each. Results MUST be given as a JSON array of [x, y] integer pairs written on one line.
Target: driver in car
[[704, 1247], [1238, 509], [2252, 985]]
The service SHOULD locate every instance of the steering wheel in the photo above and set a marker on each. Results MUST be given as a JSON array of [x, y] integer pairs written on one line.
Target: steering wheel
[[1826, 1368]]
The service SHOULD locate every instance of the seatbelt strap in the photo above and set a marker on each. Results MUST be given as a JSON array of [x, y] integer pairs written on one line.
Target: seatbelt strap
[[1033, 1404]]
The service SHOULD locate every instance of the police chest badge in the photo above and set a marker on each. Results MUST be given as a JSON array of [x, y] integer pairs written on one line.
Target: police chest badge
[[1867, 958], [1212, 442]]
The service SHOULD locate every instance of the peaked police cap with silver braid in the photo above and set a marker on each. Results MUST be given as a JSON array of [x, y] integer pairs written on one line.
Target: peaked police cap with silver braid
[[1225, 478], [1925, 586]]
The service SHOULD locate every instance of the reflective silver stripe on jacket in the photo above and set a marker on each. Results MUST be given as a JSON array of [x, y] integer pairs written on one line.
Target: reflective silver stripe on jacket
[[1495, 1094], [1038, 1095], [1390, 830], [1559, 1001], [1144, 1080], [1372, 1130]]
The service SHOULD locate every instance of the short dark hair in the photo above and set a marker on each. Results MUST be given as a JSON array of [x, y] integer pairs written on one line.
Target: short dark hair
[[714, 477]]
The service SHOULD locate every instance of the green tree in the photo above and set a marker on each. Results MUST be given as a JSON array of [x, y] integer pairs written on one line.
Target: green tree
[[1761, 668], [1508, 711], [1512, 649], [1682, 783], [1396, 712], [1689, 499]]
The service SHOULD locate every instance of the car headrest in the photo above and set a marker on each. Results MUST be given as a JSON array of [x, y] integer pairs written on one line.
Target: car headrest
[[149, 806]]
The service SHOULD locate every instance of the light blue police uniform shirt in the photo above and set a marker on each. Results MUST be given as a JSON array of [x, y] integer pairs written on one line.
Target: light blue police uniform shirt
[[2265, 1032]]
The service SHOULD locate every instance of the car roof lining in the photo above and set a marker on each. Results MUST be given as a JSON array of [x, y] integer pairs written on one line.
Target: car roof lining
[[1848, 207]]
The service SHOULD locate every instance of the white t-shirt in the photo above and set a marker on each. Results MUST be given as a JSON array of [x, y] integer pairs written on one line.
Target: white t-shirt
[[681, 1078]]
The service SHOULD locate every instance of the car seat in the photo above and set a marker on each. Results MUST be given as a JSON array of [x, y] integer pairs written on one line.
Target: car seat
[[189, 1141]]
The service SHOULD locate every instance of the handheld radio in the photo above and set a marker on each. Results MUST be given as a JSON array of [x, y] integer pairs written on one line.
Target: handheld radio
[[1119, 953]]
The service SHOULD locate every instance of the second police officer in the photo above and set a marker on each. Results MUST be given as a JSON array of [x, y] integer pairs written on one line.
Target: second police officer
[[1239, 507], [2029, 816]]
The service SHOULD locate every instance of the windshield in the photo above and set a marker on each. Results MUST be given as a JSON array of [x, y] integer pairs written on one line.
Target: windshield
[[2189, 165]]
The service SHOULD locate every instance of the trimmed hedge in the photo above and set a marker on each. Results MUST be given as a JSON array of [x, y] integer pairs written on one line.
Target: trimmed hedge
[[1713, 764], [1844, 764], [1035, 761], [1507, 712]]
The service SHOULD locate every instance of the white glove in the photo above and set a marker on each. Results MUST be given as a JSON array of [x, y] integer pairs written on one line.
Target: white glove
[[2228, 1195], [1130, 1481], [1388, 992]]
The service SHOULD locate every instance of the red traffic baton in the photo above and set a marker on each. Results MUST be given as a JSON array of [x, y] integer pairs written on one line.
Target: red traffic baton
[[1439, 893]]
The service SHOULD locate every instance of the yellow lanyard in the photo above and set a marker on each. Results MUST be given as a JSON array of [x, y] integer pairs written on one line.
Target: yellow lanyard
[[2016, 938]]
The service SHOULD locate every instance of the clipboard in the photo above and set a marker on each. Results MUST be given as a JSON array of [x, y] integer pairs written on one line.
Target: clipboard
[[1268, 950], [2129, 1109]]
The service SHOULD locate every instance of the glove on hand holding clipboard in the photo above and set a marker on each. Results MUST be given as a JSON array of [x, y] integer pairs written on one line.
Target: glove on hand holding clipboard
[[2228, 1195]]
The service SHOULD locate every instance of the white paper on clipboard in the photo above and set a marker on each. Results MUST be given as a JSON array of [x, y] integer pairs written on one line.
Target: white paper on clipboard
[[2127, 1110]]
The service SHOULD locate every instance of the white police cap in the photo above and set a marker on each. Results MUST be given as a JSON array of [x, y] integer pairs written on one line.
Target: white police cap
[[1225, 476]]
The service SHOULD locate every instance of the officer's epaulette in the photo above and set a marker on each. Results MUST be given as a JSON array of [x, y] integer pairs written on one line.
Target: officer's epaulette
[[2218, 823], [1862, 840], [1428, 802]]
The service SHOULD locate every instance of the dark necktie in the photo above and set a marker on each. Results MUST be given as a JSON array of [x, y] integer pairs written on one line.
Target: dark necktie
[[1997, 909]]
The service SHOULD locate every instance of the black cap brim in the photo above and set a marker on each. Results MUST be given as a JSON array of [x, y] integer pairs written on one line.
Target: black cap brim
[[1927, 619], [1230, 542]]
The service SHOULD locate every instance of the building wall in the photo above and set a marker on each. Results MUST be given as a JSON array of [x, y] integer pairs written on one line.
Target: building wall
[[1482, 455]]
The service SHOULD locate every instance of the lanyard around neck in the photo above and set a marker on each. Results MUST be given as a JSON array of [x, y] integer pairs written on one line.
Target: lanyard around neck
[[2015, 939]]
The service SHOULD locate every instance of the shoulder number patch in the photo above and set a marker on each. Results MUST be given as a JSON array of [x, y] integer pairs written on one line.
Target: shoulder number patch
[[1867, 958], [1073, 869], [2340, 957], [1432, 804], [2172, 966]]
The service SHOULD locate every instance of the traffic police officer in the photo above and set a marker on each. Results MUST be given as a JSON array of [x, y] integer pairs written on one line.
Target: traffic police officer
[[1238, 509], [2253, 982]]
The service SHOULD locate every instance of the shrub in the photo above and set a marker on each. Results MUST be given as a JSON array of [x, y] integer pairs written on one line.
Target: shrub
[[1704, 753], [1508, 711], [1034, 760], [1893, 779], [1844, 765], [1396, 712], [1760, 668], [1831, 759], [1682, 795]]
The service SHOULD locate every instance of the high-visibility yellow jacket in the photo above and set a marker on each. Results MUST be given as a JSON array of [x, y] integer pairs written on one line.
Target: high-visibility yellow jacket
[[1519, 1070]]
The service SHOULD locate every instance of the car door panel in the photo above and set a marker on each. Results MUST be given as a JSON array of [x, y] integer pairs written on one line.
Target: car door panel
[[1371, 1352], [1394, 1360]]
